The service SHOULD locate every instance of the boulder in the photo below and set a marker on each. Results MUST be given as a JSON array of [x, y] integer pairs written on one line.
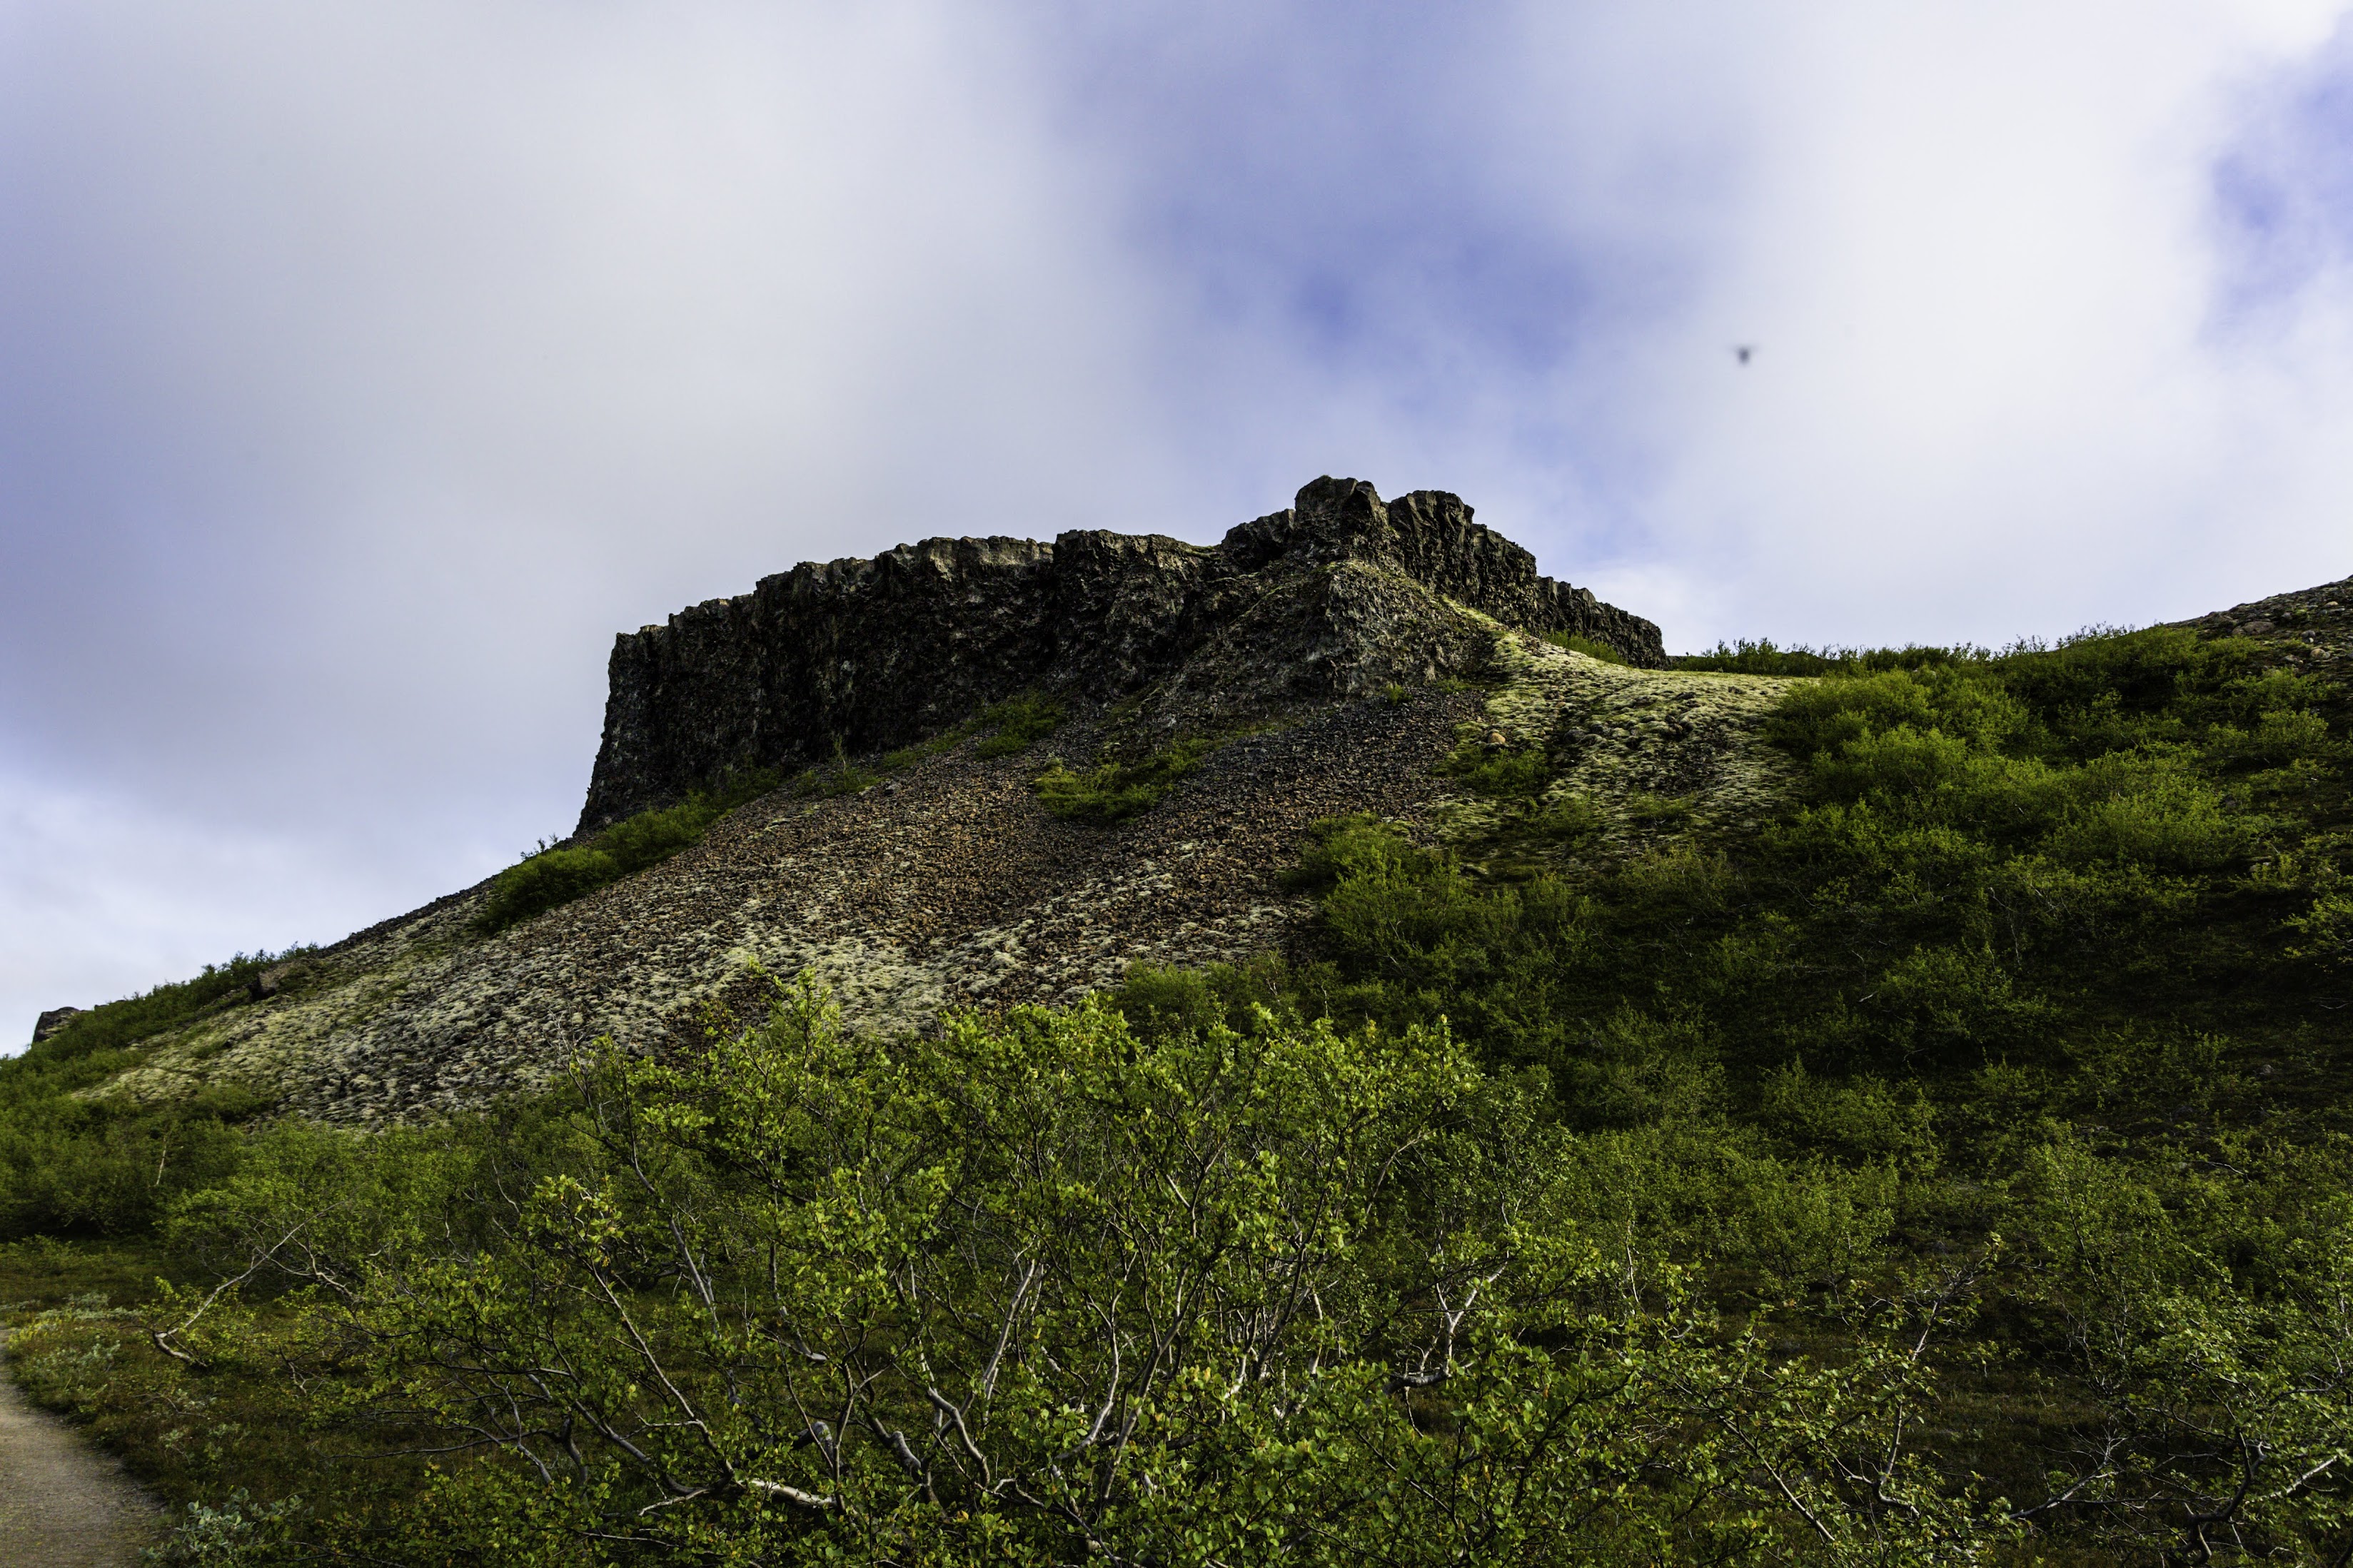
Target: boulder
[[50, 1022], [274, 979]]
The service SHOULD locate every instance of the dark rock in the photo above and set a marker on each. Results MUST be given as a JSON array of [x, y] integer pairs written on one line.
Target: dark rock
[[1338, 596], [274, 979], [50, 1022]]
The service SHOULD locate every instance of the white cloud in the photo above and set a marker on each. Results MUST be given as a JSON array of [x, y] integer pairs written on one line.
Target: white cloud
[[1976, 252], [392, 360], [363, 370], [102, 896]]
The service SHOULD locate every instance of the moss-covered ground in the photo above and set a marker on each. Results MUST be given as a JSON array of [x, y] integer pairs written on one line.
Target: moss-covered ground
[[1895, 1115]]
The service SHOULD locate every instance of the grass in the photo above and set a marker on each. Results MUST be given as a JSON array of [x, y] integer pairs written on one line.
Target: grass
[[1499, 772], [2018, 1028], [842, 776], [1113, 790], [1018, 724], [1585, 645], [547, 879], [225, 1444]]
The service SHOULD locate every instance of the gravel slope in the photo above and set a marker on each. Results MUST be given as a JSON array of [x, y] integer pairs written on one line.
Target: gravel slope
[[950, 886]]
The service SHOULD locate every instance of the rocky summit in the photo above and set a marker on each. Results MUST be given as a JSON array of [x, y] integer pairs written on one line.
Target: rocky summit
[[1322, 660], [1337, 596], [1343, 656]]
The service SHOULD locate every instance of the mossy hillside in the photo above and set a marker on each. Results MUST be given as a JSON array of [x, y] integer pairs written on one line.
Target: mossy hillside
[[273, 1049], [2126, 832], [945, 883], [1571, 643], [1984, 1083], [1113, 790], [420, 1012], [553, 876], [1573, 752]]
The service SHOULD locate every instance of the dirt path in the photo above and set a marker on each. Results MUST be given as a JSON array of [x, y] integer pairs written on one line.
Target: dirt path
[[62, 1505]]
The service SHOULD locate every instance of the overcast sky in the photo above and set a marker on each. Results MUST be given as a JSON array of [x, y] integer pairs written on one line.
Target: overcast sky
[[365, 368]]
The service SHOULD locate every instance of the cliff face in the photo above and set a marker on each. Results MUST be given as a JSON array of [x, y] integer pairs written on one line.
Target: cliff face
[[951, 887], [1331, 598]]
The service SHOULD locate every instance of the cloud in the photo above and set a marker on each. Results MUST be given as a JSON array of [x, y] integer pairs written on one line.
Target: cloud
[[2283, 188], [100, 894], [1979, 259], [367, 353], [367, 370], [1978, 248], [363, 372]]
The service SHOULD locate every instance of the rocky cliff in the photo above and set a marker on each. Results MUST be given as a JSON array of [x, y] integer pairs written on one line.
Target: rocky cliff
[[1313, 602], [1331, 658], [942, 881], [947, 884]]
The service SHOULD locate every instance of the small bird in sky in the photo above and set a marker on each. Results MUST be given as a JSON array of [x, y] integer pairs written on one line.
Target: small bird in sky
[[1742, 351]]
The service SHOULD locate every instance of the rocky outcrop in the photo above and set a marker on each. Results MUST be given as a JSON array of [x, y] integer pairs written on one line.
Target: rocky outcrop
[[50, 1022], [2311, 626], [1337, 595], [948, 886]]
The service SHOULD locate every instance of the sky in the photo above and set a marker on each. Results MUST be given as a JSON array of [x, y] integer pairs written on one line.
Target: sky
[[363, 369]]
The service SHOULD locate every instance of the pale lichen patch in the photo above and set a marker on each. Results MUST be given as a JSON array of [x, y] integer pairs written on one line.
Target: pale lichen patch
[[952, 888], [1653, 753]]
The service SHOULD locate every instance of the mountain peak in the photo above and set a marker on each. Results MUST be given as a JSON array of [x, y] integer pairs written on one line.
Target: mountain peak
[[1336, 595]]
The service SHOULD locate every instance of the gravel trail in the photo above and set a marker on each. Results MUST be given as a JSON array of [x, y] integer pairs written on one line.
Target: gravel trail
[[61, 1504]]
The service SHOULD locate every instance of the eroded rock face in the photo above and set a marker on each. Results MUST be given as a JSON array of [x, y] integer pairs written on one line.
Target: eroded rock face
[[50, 1022], [2314, 626], [871, 655], [950, 887]]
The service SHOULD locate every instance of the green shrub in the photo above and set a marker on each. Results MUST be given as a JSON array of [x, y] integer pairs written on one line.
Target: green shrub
[[1338, 847], [1992, 853], [1114, 791], [549, 877], [1585, 645], [2161, 818], [1863, 1119], [1343, 1280], [1816, 1223], [1993, 1091], [1764, 656], [1501, 772], [1018, 722], [2325, 931]]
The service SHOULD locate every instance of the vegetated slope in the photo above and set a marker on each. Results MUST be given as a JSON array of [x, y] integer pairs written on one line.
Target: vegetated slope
[[1894, 1116], [1316, 663], [947, 882]]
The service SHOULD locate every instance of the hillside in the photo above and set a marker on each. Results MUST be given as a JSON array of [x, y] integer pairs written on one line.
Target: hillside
[[1322, 660], [1307, 1063]]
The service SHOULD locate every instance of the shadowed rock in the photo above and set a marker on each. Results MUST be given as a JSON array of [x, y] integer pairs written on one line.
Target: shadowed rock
[[50, 1022], [1328, 598]]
